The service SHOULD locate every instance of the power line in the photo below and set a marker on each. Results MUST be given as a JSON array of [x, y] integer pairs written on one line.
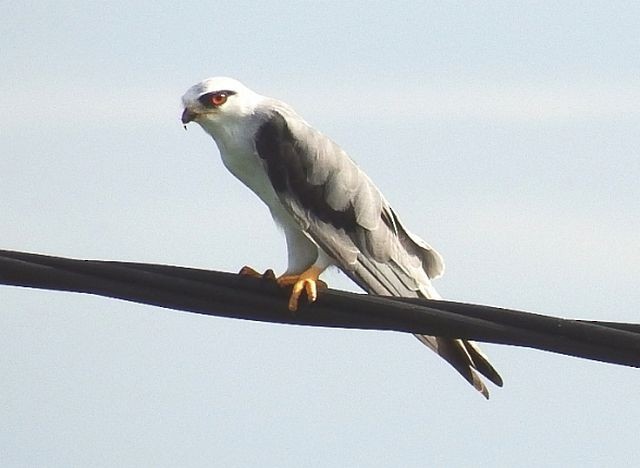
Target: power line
[[230, 295]]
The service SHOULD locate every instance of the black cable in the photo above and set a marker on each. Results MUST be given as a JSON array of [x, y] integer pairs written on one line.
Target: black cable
[[230, 295]]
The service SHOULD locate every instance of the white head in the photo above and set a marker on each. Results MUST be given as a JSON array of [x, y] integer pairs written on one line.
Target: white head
[[219, 102]]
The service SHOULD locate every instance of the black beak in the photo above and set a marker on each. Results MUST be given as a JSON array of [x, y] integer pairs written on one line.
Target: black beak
[[188, 116]]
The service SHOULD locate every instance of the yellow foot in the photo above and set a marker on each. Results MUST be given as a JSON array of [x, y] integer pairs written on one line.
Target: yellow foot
[[248, 271], [307, 281]]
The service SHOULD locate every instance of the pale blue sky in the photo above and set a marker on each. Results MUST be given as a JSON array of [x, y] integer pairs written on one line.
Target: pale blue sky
[[507, 135]]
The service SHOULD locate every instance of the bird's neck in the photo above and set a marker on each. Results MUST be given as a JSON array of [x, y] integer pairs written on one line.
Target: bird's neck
[[233, 136]]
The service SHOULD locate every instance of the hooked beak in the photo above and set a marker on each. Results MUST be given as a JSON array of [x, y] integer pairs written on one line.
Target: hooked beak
[[188, 116]]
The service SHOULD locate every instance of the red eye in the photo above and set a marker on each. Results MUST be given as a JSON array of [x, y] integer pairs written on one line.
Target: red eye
[[218, 99]]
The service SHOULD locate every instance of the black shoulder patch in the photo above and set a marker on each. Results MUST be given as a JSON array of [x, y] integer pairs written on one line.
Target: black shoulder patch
[[274, 143], [285, 160]]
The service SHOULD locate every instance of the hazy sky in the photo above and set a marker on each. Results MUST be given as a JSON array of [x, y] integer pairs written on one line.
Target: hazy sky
[[507, 135]]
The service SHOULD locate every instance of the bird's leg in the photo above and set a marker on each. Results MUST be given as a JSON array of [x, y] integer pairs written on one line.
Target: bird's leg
[[248, 271], [306, 281]]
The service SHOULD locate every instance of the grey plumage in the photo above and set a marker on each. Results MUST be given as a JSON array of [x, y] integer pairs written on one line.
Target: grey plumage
[[327, 205], [341, 209]]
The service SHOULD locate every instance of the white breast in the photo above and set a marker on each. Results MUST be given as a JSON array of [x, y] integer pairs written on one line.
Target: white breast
[[240, 157], [244, 163]]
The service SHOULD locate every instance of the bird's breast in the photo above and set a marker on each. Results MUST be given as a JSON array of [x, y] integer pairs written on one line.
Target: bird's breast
[[244, 163]]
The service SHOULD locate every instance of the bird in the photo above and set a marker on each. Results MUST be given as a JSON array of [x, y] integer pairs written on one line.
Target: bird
[[330, 211]]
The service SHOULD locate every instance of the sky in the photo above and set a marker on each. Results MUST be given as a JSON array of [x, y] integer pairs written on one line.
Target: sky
[[507, 134]]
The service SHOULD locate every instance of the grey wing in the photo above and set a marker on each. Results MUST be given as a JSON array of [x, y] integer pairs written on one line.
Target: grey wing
[[339, 207]]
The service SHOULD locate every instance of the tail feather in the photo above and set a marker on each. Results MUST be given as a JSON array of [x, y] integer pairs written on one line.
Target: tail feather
[[455, 353], [482, 364], [465, 356]]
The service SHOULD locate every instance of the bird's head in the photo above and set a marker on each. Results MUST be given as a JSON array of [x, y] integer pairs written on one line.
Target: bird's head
[[218, 103]]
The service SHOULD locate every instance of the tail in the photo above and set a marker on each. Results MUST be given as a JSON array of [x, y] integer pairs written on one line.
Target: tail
[[465, 356]]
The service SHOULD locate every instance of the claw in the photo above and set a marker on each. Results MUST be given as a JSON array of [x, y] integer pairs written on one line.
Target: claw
[[269, 275], [248, 271], [306, 282], [306, 285]]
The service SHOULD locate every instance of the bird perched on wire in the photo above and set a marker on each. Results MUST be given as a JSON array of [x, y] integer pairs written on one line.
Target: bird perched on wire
[[330, 211]]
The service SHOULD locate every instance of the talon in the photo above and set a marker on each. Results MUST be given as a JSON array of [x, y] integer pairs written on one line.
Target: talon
[[248, 271], [312, 290], [309, 288], [269, 275], [306, 282]]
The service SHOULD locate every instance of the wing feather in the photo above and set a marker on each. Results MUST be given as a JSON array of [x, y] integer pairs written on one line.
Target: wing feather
[[339, 207]]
